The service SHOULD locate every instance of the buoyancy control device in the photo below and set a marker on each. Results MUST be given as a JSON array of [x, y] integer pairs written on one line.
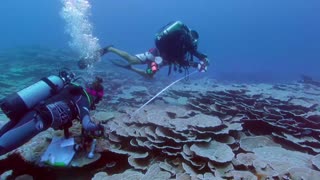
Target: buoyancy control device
[[17, 104]]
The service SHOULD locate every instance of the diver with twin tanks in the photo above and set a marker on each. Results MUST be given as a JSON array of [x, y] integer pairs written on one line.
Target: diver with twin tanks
[[54, 101]]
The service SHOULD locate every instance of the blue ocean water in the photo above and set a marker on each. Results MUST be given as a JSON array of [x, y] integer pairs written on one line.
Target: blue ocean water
[[248, 39]]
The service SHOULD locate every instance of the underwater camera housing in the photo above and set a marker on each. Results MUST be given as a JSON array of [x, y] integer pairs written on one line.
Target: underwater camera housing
[[16, 105]]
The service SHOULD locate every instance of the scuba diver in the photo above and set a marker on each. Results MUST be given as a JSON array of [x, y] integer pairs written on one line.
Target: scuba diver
[[176, 45], [55, 102]]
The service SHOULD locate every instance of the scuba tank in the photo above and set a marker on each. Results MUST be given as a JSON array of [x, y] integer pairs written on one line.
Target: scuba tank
[[173, 26], [17, 104]]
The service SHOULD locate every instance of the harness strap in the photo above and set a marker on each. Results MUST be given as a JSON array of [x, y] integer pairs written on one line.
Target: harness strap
[[90, 100], [54, 88]]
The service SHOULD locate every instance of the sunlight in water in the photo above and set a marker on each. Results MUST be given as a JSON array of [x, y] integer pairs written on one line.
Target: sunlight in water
[[76, 14]]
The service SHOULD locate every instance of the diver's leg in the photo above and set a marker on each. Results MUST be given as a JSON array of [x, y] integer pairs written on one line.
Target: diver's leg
[[9, 125], [21, 133], [129, 67], [104, 50], [86, 62], [141, 72], [128, 57]]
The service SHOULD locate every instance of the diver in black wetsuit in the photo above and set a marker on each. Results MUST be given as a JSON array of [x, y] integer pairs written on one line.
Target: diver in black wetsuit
[[176, 45], [58, 111]]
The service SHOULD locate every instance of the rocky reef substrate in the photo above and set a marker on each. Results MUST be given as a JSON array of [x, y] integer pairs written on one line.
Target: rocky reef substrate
[[198, 129]]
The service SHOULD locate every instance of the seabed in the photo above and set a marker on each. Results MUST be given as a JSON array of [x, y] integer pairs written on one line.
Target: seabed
[[197, 129]]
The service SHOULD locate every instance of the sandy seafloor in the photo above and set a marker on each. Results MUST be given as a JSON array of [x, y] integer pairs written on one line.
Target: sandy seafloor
[[197, 129]]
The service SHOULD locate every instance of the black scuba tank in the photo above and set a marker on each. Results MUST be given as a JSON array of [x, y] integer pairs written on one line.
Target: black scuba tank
[[17, 104]]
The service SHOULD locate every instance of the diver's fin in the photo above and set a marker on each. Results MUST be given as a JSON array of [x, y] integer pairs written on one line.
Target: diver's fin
[[60, 152]]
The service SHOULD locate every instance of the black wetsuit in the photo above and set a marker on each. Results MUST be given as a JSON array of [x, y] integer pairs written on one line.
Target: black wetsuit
[[56, 112], [178, 47]]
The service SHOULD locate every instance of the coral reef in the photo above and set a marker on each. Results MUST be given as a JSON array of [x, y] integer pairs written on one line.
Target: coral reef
[[203, 129], [230, 131]]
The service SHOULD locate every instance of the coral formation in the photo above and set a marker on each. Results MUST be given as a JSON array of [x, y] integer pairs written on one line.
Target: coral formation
[[202, 129]]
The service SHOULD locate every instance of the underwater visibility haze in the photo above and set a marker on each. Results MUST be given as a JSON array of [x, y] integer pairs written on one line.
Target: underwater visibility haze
[[276, 39], [255, 113]]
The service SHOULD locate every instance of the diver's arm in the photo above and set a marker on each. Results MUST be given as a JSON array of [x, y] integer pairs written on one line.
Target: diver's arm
[[84, 114], [203, 60], [88, 124], [199, 55]]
